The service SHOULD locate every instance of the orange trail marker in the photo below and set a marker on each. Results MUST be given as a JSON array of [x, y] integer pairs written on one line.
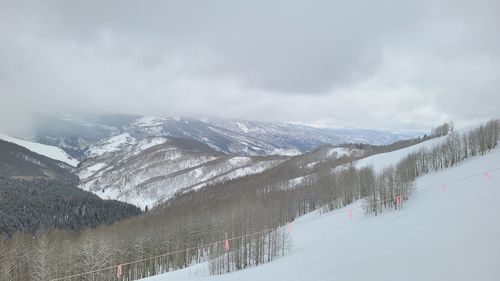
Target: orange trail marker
[[350, 214]]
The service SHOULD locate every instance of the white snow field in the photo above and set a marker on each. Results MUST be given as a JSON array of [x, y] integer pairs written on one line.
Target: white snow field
[[383, 160], [438, 235], [46, 150]]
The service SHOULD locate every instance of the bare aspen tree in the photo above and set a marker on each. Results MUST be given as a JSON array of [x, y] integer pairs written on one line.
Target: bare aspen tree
[[94, 253], [41, 258]]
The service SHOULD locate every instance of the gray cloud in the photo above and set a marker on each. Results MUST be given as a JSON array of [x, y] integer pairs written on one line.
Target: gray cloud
[[378, 64]]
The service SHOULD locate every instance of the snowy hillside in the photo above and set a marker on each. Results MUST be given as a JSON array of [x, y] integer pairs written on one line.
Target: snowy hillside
[[271, 137], [383, 160], [43, 149], [449, 234], [328, 153], [113, 144], [149, 171]]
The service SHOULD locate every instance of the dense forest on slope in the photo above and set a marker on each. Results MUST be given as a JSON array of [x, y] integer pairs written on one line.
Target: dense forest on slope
[[29, 205], [37, 192], [21, 163]]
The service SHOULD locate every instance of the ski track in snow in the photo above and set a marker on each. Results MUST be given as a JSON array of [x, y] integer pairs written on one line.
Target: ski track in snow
[[438, 235]]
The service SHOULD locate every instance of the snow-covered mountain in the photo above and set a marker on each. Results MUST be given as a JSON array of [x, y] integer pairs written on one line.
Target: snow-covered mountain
[[73, 135], [438, 235], [79, 137], [148, 171], [145, 160], [240, 137], [145, 165]]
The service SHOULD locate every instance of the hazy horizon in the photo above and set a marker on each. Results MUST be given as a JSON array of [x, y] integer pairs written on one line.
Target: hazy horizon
[[379, 65], [25, 129]]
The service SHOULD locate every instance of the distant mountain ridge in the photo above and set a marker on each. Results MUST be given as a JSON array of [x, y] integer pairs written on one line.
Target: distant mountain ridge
[[79, 137], [145, 160]]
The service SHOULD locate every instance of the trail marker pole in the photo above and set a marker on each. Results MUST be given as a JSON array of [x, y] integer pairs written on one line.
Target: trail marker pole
[[119, 271], [398, 200]]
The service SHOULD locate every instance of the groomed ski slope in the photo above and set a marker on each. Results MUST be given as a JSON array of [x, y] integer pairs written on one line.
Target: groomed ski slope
[[438, 235], [46, 150]]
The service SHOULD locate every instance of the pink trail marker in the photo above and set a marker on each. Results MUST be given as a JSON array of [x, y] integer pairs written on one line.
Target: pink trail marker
[[398, 200], [226, 245], [290, 228], [487, 175], [443, 187], [119, 271], [350, 214]]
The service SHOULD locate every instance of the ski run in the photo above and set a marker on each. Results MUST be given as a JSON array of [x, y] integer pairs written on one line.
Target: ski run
[[442, 233]]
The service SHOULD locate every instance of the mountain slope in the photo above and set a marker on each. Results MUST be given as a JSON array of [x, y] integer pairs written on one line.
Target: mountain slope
[[53, 152], [119, 161], [429, 239], [145, 164], [149, 171], [241, 137], [37, 192], [21, 163], [71, 134], [305, 138], [383, 160]]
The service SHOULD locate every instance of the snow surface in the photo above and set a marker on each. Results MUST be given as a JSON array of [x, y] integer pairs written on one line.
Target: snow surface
[[383, 160], [149, 121], [147, 143], [286, 152], [89, 171], [112, 144], [438, 235], [338, 152], [242, 127], [240, 168], [46, 150], [293, 183]]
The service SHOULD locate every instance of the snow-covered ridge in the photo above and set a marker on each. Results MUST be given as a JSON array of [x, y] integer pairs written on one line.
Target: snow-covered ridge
[[83, 137], [43, 149], [149, 121], [112, 144]]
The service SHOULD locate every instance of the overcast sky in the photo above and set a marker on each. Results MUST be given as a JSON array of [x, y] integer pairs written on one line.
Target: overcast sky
[[372, 64]]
